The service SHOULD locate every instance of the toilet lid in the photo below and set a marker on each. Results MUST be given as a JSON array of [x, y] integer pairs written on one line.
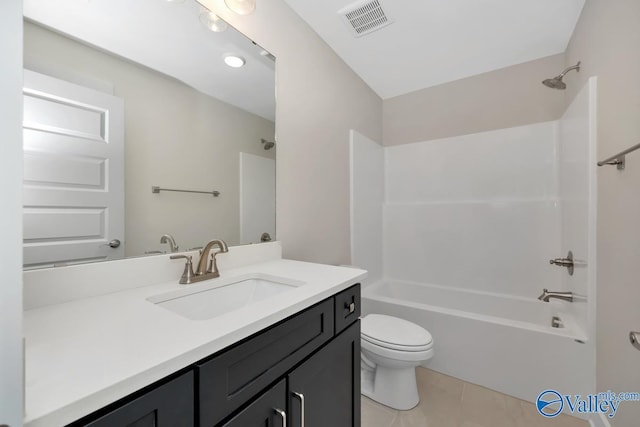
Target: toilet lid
[[395, 333]]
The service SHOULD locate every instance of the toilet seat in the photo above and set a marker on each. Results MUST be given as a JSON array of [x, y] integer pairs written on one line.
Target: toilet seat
[[394, 355], [395, 334], [397, 347]]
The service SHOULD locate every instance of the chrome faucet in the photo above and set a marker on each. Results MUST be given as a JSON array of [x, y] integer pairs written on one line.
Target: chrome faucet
[[547, 295], [168, 238], [207, 265]]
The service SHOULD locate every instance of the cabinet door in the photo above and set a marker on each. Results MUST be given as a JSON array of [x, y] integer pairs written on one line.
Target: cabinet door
[[326, 388], [168, 405], [268, 410]]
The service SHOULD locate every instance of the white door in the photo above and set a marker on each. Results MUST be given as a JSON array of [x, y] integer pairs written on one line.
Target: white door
[[11, 384], [73, 173], [257, 198]]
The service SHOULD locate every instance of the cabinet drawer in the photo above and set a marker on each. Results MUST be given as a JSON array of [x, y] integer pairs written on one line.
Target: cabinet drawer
[[230, 379], [264, 410], [347, 307], [170, 404]]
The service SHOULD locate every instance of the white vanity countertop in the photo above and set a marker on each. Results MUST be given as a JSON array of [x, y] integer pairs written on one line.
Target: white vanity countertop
[[82, 355]]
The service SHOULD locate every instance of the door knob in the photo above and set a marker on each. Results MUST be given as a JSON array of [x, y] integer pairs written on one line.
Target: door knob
[[115, 243], [634, 337]]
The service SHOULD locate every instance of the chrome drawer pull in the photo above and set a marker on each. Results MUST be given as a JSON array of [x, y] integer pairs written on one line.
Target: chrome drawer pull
[[350, 306], [283, 415], [301, 397]]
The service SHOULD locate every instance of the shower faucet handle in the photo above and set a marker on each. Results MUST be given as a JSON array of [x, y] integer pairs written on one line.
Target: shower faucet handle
[[564, 262]]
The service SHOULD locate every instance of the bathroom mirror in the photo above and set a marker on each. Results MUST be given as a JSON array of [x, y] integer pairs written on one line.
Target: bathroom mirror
[[153, 72]]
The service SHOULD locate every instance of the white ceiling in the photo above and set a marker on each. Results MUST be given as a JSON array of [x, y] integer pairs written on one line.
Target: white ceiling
[[167, 37], [432, 42]]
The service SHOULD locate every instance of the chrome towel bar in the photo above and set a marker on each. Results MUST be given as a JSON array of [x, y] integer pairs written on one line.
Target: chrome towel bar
[[157, 190], [618, 159]]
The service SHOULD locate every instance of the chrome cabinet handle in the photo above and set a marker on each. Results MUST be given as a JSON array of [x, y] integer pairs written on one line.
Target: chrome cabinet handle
[[283, 415], [115, 243], [301, 397], [634, 337]]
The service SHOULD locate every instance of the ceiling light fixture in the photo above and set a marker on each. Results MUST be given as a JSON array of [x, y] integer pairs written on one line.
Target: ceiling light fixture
[[241, 7], [213, 22], [235, 61]]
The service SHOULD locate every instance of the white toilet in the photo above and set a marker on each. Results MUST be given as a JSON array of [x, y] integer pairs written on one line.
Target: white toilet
[[391, 350]]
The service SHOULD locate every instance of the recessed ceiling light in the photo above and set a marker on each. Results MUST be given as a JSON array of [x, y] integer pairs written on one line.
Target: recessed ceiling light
[[241, 7], [235, 61], [175, 1], [213, 22]]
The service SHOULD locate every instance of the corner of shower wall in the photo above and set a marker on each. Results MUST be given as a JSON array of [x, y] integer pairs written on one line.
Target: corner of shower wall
[[366, 200], [578, 198]]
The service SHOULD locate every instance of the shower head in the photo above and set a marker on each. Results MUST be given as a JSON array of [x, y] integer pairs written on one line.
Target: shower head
[[556, 82], [268, 145]]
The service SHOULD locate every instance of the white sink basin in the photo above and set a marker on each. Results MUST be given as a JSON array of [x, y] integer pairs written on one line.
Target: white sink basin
[[207, 300]]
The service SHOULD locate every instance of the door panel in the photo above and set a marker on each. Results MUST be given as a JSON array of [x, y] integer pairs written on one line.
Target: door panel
[[11, 355], [329, 383], [257, 198], [73, 172]]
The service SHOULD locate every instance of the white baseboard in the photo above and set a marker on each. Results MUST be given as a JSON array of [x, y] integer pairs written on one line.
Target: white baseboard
[[599, 420]]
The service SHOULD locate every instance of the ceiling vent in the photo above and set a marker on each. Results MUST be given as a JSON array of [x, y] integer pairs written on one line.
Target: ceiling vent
[[365, 17]]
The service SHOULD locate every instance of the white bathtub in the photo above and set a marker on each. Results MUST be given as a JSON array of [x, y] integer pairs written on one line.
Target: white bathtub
[[501, 342]]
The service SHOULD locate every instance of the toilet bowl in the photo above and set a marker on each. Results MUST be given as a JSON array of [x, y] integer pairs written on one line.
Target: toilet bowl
[[391, 348]]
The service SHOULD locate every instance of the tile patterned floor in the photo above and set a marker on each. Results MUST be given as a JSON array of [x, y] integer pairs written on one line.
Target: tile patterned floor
[[448, 402]]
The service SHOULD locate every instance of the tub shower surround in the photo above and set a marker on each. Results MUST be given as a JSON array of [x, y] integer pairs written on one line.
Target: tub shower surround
[[468, 227]]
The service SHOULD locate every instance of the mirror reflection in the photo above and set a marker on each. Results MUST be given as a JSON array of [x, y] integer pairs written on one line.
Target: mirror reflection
[[138, 137]]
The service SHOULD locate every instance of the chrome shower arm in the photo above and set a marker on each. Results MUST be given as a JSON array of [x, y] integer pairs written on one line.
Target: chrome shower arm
[[574, 67]]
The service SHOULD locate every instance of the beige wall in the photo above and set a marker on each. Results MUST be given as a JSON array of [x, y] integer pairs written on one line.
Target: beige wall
[[607, 41], [319, 99], [504, 98], [175, 137]]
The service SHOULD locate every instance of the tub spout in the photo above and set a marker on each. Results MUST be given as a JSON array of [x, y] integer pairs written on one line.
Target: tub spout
[[547, 295]]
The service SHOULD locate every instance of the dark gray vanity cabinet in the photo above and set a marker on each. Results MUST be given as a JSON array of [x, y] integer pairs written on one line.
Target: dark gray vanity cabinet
[[303, 371], [167, 404], [235, 376], [322, 391]]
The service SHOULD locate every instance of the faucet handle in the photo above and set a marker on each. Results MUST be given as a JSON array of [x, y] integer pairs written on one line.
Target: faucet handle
[[187, 274]]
